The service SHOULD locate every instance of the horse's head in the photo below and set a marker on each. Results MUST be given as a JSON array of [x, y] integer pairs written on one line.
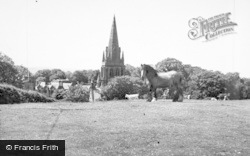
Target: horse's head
[[147, 72]]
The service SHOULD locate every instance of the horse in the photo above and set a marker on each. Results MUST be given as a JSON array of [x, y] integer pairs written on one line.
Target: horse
[[172, 80]]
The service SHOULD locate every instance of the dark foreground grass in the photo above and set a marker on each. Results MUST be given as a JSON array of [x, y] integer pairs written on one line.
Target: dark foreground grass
[[134, 127]]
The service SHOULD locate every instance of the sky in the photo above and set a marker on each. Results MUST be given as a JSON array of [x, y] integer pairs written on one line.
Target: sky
[[72, 34]]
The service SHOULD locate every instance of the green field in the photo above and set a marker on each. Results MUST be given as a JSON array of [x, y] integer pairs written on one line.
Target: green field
[[134, 127]]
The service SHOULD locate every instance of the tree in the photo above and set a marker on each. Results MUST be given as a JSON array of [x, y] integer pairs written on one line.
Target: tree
[[92, 74], [23, 72], [80, 76], [8, 74], [190, 86], [46, 73], [169, 64], [136, 72], [246, 82], [69, 75], [233, 84], [57, 74], [211, 84], [24, 75], [8, 71], [5, 58], [40, 79], [237, 87], [132, 71], [206, 84], [12, 74]]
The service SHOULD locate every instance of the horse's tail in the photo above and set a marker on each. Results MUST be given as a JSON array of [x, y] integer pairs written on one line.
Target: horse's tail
[[182, 80]]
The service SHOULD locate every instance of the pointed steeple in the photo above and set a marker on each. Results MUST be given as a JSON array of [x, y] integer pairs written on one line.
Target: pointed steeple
[[113, 40], [103, 58]]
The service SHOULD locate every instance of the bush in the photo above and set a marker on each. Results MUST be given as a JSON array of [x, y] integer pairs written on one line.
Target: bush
[[59, 94], [196, 94], [119, 86], [77, 94], [10, 94]]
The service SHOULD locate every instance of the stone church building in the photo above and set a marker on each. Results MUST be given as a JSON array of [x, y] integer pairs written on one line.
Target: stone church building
[[113, 59]]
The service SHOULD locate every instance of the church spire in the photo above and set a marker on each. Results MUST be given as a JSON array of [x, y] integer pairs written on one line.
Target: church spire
[[113, 40]]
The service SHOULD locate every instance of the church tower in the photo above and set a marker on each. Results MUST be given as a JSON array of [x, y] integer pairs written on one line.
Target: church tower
[[112, 59]]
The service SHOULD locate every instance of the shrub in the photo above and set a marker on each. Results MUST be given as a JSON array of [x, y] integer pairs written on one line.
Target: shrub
[[34, 96], [196, 94], [10, 94], [59, 94], [119, 86], [77, 94]]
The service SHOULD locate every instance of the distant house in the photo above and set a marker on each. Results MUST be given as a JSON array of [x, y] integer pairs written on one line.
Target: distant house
[[61, 83], [42, 84], [55, 84]]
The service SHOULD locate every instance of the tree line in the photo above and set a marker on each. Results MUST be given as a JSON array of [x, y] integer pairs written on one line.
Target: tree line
[[17, 74], [199, 83]]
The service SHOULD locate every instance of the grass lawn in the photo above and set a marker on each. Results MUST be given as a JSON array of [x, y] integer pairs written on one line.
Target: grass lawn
[[137, 127]]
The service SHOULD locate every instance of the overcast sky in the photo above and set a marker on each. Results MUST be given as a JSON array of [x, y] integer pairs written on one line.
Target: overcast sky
[[72, 34]]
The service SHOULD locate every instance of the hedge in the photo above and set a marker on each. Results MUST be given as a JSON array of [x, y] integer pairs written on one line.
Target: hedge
[[10, 94]]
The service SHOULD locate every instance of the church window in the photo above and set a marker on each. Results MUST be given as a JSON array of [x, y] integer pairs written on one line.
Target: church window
[[111, 73]]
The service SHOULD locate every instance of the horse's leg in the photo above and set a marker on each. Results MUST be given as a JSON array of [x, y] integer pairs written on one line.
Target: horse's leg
[[175, 94], [180, 98], [149, 97], [154, 95]]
